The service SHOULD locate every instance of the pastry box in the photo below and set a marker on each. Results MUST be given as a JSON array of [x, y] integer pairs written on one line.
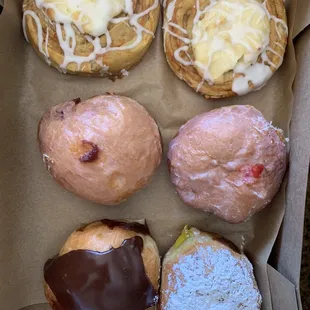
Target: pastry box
[[37, 214]]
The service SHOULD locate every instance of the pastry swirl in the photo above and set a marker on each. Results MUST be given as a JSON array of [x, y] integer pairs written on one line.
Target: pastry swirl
[[102, 38], [223, 48]]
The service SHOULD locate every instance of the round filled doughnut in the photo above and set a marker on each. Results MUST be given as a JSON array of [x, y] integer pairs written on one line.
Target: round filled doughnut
[[229, 161], [103, 149], [106, 264]]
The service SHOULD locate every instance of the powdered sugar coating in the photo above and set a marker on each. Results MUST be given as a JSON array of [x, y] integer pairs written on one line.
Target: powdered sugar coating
[[212, 279], [205, 273]]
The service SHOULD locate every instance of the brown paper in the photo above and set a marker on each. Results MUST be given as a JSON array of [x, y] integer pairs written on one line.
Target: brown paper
[[302, 19], [286, 257], [37, 215], [282, 291]]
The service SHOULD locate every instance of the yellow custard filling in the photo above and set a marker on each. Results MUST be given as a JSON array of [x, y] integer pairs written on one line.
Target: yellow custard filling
[[185, 235], [90, 16], [230, 32]]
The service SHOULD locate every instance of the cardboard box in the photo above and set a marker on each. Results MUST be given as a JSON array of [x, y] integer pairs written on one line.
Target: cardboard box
[[37, 215]]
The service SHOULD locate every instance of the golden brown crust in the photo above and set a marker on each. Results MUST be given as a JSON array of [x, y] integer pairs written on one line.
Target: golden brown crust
[[183, 16], [122, 34], [195, 242], [99, 237]]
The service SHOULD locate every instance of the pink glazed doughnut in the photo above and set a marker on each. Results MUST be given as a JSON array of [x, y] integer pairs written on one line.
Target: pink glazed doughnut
[[229, 162]]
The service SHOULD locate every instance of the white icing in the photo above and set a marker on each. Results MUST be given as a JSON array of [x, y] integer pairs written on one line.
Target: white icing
[[200, 85], [206, 74], [119, 20], [46, 43], [170, 10], [242, 244], [179, 58], [124, 72], [185, 40], [128, 7], [40, 34], [104, 69], [178, 27], [256, 73], [67, 38], [24, 24], [47, 162], [276, 20], [89, 16], [279, 45], [265, 58]]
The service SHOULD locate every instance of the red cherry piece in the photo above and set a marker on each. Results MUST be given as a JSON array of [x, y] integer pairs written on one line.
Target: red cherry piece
[[257, 170], [91, 154]]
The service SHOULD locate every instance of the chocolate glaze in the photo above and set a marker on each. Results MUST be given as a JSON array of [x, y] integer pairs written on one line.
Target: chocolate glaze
[[111, 280], [61, 114], [134, 226], [76, 100]]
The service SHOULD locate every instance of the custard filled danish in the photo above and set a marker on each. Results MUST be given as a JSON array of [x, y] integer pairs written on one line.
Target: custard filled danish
[[87, 37], [223, 48]]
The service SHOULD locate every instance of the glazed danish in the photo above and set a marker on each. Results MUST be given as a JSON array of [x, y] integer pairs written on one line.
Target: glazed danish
[[223, 48], [86, 37]]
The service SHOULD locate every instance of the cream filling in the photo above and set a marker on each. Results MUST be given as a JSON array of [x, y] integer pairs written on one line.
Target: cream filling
[[231, 32], [67, 37], [237, 49], [90, 16]]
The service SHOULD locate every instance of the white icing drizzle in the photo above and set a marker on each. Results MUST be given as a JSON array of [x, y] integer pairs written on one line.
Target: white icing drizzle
[[124, 72], [170, 10], [185, 40], [67, 41], [206, 74], [178, 27], [46, 42], [242, 244], [258, 73], [128, 7], [200, 85], [279, 45], [273, 51], [119, 20], [276, 20], [47, 162], [40, 34], [104, 71], [164, 3], [24, 23], [179, 58]]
